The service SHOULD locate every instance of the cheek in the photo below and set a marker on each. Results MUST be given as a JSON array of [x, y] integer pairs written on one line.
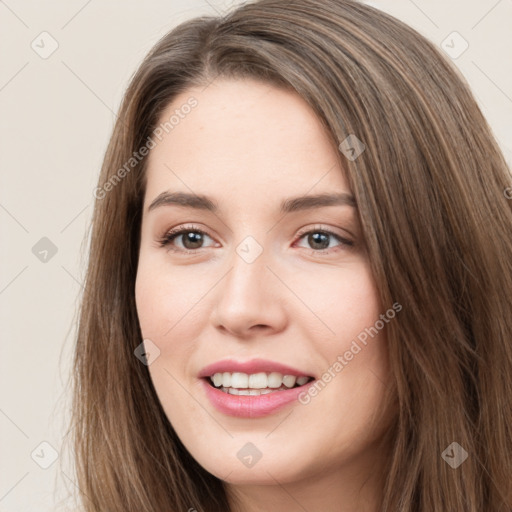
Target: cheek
[[362, 334], [150, 300], [164, 298], [166, 315], [345, 300], [355, 351]]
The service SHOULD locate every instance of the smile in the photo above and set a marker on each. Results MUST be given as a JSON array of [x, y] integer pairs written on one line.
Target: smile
[[255, 384]]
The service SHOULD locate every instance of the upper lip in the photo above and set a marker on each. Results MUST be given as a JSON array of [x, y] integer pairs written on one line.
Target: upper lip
[[250, 367]]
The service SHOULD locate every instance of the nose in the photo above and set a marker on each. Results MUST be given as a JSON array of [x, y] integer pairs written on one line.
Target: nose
[[250, 299]]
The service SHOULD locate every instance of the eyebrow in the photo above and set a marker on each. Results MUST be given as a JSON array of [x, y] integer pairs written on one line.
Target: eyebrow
[[292, 204]]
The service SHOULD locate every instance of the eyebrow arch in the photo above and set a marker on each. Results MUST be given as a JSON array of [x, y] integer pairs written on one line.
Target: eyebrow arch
[[292, 204]]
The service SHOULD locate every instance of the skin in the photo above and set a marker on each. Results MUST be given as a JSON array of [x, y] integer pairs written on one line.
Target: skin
[[249, 145]]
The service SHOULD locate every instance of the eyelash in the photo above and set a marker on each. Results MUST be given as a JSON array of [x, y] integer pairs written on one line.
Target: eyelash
[[171, 235]]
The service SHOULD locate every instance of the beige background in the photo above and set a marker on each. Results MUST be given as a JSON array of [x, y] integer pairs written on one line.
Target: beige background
[[56, 117]]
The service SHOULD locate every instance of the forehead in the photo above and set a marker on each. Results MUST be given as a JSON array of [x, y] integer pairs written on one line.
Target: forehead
[[245, 138]]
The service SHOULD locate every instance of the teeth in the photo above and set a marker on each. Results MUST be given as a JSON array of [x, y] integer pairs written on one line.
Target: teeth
[[226, 379], [275, 380], [245, 384], [289, 380], [254, 392], [239, 380], [302, 380], [258, 380]]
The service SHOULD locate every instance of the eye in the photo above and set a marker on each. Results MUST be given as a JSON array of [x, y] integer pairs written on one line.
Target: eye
[[191, 237], [320, 240]]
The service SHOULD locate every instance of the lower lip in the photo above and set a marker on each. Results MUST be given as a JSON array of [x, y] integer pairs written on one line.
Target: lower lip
[[252, 406]]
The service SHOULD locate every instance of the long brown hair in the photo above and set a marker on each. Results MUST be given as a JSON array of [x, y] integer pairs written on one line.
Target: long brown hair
[[430, 194]]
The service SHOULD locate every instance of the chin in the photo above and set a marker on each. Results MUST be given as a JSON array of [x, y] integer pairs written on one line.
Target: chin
[[271, 467]]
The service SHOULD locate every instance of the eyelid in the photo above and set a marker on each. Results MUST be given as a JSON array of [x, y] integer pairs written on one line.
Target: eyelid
[[321, 228]]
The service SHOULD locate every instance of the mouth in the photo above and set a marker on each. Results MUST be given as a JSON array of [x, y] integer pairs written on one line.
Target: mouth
[[255, 384], [255, 388]]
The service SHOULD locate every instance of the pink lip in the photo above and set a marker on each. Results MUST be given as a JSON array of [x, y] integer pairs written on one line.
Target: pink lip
[[252, 366], [251, 406], [247, 406]]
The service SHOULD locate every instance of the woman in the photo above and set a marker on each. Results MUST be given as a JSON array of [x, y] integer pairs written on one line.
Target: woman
[[298, 293]]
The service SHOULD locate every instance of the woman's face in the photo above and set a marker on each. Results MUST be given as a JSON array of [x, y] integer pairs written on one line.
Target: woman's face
[[264, 281]]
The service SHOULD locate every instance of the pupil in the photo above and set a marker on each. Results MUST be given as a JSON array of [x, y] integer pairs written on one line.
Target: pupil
[[192, 238], [316, 238]]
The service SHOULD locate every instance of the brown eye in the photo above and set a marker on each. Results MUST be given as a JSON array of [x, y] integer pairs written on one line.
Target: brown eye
[[191, 239], [320, 240]]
